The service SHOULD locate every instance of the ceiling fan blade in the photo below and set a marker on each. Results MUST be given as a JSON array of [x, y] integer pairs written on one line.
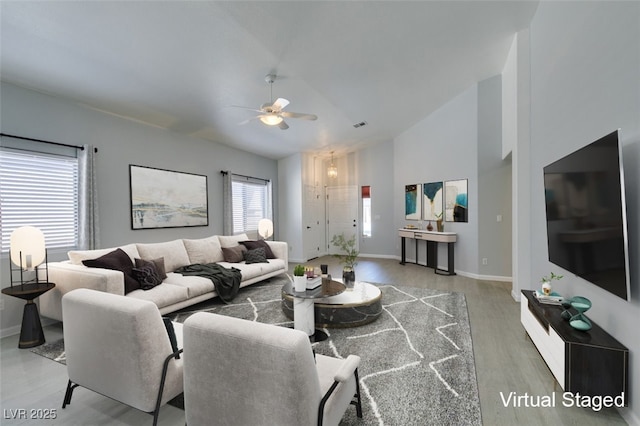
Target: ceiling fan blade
[[279, 104], [247, 108], [300, 115], [283, 125], [248, 120]]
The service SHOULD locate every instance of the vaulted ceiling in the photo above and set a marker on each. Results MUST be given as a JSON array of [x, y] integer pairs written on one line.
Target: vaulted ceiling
[[183, 65]]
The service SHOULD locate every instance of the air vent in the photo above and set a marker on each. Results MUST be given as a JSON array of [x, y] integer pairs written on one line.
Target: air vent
[[360, 124]]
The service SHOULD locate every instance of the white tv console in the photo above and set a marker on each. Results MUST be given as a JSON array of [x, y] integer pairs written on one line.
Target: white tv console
[[590, 362]]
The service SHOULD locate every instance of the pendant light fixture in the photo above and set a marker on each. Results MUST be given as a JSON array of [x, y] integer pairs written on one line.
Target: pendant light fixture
[[332, 171]]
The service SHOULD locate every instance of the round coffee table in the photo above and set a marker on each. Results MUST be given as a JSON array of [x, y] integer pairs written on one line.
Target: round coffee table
[[302, 306], [353, 307]]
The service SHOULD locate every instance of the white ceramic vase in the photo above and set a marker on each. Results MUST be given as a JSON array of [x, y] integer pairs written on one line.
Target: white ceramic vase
[[300, 283]]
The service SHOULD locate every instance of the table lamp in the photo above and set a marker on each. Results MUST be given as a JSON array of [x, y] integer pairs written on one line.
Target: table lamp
[[27, 249], [265, 228]]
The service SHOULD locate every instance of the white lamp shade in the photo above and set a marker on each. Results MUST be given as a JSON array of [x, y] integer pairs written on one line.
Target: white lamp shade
[[27, 242], [265, 228]]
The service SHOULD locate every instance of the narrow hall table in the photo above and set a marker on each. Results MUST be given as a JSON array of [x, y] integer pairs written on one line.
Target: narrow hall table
[[432, 239]]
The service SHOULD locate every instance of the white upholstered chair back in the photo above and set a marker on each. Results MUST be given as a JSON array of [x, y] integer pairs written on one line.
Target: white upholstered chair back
[[116, 346], [240, 372]]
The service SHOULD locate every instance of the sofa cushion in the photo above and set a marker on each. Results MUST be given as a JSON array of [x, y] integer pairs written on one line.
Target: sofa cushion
[[157, 263], [195, 285], [116, 260], [255, 256], [162, 295], [232, 240], [234, 254], [254, 244], [174, 253], [204, 250], [77, 256]]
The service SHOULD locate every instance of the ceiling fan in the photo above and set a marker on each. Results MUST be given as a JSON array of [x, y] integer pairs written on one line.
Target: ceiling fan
[[272, 113]]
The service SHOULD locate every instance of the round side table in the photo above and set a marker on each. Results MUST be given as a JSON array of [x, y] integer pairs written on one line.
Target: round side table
[[31, 334]]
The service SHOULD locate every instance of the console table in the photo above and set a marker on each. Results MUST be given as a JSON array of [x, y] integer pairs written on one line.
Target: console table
[[590, 362], [432, 238]]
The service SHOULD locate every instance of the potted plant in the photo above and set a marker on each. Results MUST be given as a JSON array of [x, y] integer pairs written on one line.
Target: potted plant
[[348, 257], [299, 278], [546, 282]]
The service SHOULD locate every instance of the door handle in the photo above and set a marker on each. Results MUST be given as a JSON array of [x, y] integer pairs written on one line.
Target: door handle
[[308, 227]]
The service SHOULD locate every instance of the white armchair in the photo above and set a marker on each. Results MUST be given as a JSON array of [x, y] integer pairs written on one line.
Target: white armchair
[[240, 372], [119, 347]]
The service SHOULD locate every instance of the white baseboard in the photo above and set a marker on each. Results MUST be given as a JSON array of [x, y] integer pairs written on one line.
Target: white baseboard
[[11, 331], [380, 256]]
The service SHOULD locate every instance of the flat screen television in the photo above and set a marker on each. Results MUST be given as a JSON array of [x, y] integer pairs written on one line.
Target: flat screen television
[[586, 215]]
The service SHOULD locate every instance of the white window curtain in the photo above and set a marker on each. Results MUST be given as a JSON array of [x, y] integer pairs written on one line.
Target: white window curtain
[[246, 201], [88, 229]]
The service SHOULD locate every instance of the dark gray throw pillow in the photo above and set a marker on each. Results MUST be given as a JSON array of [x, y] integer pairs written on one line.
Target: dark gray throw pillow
[[147, 276], [255, 256], [254, 244], [158, 263], [116, 260]]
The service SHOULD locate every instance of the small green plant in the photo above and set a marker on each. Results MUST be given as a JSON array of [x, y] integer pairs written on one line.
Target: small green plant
[[439, 216], [298, 271], [348, 246], [549, 278]]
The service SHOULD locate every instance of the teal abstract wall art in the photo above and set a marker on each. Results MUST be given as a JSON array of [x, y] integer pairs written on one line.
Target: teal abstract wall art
[[412, 209], [456, 201], [432, 200]]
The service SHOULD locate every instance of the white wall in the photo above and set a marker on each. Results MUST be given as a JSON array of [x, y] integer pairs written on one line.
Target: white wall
[[376, 169], [120, 143], [585, 68], [290, 205], [494, 185], [441, 147]]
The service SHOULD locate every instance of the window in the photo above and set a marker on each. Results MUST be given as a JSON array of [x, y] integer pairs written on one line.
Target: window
[[251, 201], [40, 190], [366, 211]]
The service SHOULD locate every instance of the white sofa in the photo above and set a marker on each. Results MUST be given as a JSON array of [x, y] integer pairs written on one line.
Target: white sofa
[[176, 291]]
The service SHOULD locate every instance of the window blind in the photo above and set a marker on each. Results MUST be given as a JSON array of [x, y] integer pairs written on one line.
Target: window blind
[[249, 205], [40, 190]]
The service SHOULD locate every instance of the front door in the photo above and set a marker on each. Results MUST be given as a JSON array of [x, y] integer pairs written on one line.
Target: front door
[[342, 214]]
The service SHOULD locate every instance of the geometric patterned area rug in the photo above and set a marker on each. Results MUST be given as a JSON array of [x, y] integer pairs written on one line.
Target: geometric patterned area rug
[[417, 365]]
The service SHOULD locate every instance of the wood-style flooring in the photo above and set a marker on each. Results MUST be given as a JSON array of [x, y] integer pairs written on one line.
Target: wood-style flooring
[[506, 361]]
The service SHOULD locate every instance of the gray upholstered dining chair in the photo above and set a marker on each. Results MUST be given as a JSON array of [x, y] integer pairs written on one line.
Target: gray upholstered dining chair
[[119, 347], [239, 372]]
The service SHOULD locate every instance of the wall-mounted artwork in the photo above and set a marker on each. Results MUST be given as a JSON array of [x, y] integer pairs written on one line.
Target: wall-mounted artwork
[[167, 199], [456, 201], [432, 208], [412, 197]]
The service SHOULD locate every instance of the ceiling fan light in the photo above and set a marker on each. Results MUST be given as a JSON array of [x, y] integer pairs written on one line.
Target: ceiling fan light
[[271, 119]]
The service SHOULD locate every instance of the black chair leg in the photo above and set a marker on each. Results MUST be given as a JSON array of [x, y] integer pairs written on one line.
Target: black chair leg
[[358, 403], [69, 393]]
